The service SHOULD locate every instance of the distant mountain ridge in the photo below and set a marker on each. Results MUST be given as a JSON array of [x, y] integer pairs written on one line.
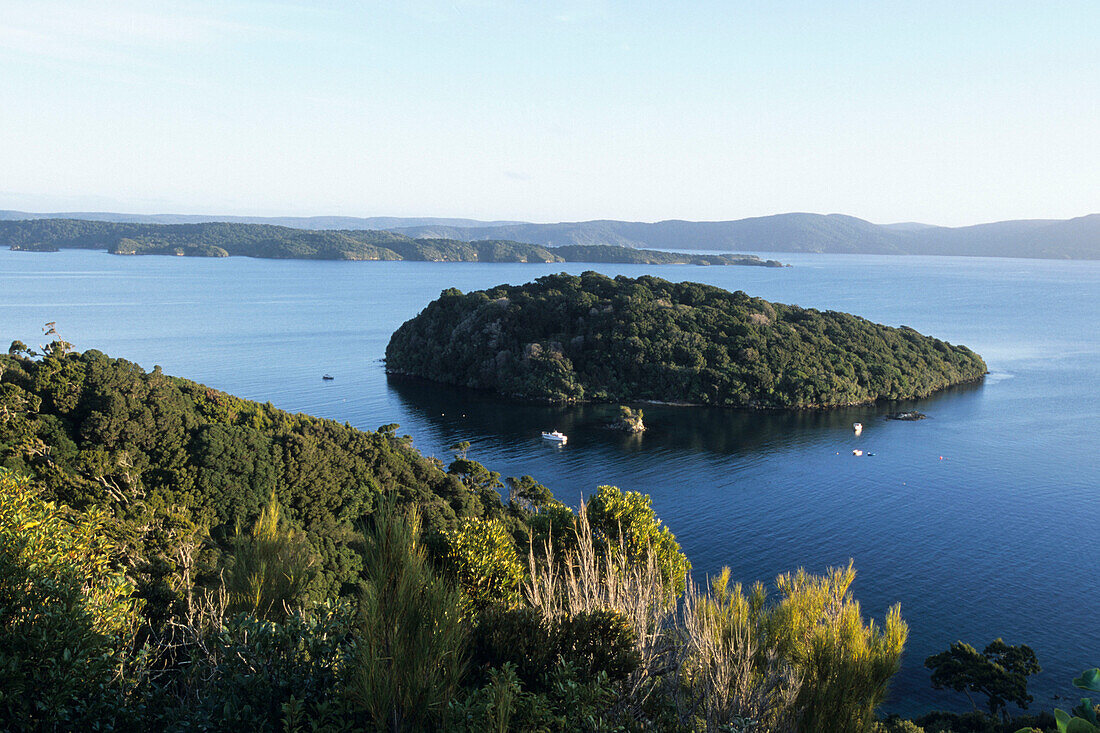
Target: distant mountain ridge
[[1077, 238], [829, 234], [294, 222]]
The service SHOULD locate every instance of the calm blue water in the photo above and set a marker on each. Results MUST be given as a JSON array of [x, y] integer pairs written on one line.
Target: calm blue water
[[981, 521]]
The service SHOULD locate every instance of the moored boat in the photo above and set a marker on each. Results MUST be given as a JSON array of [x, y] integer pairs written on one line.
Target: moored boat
[[555, 436]]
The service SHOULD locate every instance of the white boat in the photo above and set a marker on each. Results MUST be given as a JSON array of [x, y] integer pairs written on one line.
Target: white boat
[[555, 436], [858, 427], [857, 452]]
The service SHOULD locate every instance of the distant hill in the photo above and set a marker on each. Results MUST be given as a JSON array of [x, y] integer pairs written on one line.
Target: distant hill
[[831, 233], [297, 222], [1077, 239], [784, 232], [797, 232], [223, 239]]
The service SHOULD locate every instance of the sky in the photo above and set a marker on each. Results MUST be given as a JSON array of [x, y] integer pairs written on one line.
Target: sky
[[947, 113]]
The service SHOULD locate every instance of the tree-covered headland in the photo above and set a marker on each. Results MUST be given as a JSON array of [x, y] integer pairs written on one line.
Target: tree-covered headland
[[176, 558], [224, 239], [567, 338]]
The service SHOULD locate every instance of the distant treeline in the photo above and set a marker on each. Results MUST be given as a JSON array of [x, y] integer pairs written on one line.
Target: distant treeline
[[220, 239], [565, 338]]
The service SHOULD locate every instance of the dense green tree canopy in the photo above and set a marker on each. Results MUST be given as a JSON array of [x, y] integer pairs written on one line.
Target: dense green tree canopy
[[573, 338], [179, 464]]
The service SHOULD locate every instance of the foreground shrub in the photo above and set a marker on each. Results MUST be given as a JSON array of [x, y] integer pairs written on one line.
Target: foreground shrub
[[729, 675], [624, 523], [593, 574], [269, 569], [979, 722], [412, 636], [570, 701], [845, 665], [67, 617], [482, 557], [897, 725], [247, 673], [591, 642], [806, 662]]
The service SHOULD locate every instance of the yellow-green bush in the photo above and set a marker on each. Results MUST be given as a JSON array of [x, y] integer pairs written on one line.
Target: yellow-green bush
[[483, 559], [845, 664], [67, 615], [269, 569]]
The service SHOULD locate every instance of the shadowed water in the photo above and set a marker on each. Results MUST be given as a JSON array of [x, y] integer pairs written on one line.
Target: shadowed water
[[979, 520]]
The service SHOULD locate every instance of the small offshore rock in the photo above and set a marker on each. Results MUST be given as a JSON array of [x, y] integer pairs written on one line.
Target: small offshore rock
[[630, 421], [906, 415]]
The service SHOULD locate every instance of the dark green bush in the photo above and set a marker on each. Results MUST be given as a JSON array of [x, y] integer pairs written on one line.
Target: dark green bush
[[592, 643], [243, 673]]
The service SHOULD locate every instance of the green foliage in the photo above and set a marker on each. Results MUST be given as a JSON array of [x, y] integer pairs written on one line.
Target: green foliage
[[806, 662], [591, 642], [625, 520], [269, 569], [630, 420], [1084, 717], [177, 466], [844, 664], [170, 459], [977, 721], [482, 557], [565, 338], [896, 725], [730, 672], [412, 637], [571, 701], [1000, 672], [67, 616], [615, 253], [529, 493], [248, 674]]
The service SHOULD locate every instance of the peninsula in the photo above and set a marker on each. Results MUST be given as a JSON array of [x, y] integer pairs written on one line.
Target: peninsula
[[222, 239], [591, 338]]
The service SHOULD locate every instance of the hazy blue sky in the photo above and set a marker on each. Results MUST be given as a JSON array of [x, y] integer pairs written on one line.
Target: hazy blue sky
[[945, 112]]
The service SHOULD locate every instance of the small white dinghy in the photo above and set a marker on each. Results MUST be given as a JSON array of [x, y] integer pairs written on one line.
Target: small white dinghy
[[857, 452], [555, 436], [858, 427]]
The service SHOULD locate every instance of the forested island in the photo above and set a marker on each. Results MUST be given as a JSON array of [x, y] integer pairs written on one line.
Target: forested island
[[567, 338], [220, 239], [175, 558]]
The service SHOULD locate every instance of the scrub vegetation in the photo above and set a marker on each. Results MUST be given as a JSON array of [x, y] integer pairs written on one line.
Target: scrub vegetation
[[175, 558]]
